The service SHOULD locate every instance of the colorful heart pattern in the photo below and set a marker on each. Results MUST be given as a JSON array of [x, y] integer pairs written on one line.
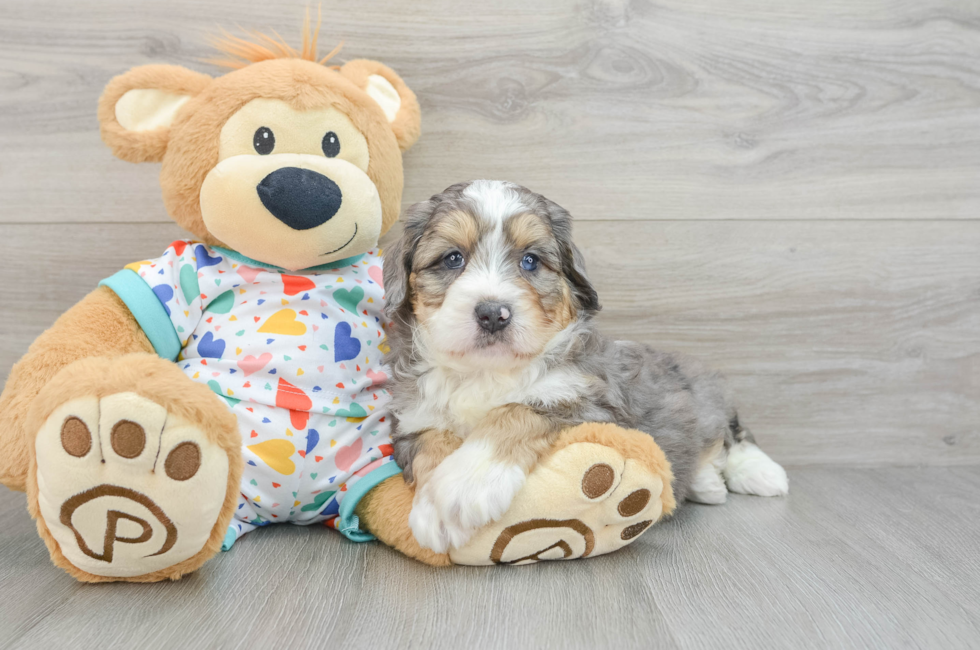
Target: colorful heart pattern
[[298, 358]]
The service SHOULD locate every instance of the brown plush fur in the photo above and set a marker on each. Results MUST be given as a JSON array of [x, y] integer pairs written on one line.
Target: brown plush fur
[[162, 382], [100, 325]]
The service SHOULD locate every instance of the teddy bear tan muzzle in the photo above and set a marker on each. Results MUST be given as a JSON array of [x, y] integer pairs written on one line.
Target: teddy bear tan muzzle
[[293, 211]]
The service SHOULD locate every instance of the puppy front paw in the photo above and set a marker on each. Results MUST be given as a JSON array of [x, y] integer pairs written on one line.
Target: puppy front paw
[[424, 521], [467, 491]]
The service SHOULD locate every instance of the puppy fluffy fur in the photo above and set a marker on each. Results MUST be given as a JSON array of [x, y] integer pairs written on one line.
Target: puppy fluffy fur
[[475, 406]]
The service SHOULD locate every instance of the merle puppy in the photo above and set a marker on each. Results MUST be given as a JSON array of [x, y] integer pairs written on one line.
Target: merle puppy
[[494, 352]]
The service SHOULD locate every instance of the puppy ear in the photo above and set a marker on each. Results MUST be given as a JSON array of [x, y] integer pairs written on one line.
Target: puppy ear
[[138, 107], [399, 257], [572, 260], [396, 99]]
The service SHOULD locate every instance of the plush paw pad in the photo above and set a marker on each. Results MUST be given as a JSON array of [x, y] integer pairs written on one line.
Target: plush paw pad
[[585, 500], [126, 488]]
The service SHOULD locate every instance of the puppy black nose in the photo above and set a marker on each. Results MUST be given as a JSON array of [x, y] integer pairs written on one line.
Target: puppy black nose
[[493, 316], [300, 198]]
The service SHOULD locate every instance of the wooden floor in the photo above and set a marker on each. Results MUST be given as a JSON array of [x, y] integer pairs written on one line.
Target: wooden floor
[[853, 558], [787, 189]]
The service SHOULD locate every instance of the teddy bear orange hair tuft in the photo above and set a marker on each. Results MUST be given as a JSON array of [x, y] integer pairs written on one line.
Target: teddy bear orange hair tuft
[[242, 52]]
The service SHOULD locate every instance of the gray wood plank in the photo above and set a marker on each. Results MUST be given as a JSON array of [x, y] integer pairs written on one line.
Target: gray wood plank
[[853, 558], [621, 110], [845, 342]]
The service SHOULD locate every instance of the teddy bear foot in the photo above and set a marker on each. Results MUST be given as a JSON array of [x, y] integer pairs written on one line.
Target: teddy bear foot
[[128, 489], [599, 491]]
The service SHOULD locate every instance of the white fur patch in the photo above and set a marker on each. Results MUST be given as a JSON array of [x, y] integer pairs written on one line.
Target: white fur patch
[[468, 490], [750, 471], [495, 201]]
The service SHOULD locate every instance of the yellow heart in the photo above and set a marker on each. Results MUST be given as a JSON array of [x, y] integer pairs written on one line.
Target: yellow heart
[[283, 322], [336, 400], [233, 318], [333, 442], [289, 433], [284, 302], [299, 372], [275, 454], [238, 350], [257, 499], [295, 503]]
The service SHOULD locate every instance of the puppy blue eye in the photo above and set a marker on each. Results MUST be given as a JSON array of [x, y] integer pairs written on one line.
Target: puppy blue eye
[[529, 262], [454, 260]]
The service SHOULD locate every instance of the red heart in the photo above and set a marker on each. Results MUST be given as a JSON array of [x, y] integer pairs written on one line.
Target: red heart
[[339, 385], [302, 347], [254, 435], [293, 398], [275, 485], [293, 284], [179, 246], [304, 312], [257, 318], [318, 458], [301, 452]]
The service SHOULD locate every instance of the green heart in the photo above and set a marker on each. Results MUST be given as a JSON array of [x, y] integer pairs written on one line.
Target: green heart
[[254, 482], [356, 411], [188, 283], [313, 475], [349, 299], [239, 332], [318, 500], [223, 303], [213, 385]]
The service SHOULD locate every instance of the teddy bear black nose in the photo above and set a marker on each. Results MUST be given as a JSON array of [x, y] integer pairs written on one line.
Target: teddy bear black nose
[[300, 198]]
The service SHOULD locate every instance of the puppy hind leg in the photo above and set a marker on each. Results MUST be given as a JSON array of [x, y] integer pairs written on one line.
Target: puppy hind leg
[[708, 486], [749, 470]]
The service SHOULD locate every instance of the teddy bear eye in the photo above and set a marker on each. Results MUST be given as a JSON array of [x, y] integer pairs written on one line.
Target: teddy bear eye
[[264, 141], [330, 144]]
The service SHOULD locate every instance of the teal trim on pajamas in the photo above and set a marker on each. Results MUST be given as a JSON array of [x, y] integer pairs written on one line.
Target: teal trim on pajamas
[[348, 523], [148, 311]]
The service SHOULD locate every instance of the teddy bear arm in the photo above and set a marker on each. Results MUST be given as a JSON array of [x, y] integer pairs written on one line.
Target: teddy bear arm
[[99, 325]]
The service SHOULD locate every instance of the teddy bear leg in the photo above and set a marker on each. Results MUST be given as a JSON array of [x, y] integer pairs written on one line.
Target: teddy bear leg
[[134, 471], [600, 488], [384, 513]]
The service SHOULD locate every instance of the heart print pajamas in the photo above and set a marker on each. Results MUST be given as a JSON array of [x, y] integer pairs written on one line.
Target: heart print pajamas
[[297, 356]]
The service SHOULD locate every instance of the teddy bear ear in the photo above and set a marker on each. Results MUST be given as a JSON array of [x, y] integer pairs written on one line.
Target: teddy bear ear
[[396, 99], [138, 107]]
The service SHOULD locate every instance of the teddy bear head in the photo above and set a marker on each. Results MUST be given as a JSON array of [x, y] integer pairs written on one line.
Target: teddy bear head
[[286, 160]]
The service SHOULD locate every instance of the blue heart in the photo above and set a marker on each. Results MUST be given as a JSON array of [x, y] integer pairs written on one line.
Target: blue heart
[[332, 508], [312, 437], [210, 346], [345, 346], [203, 259], [164, 293]]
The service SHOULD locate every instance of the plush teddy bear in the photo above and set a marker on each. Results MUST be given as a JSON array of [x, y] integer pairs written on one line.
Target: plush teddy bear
[[238, 379]]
